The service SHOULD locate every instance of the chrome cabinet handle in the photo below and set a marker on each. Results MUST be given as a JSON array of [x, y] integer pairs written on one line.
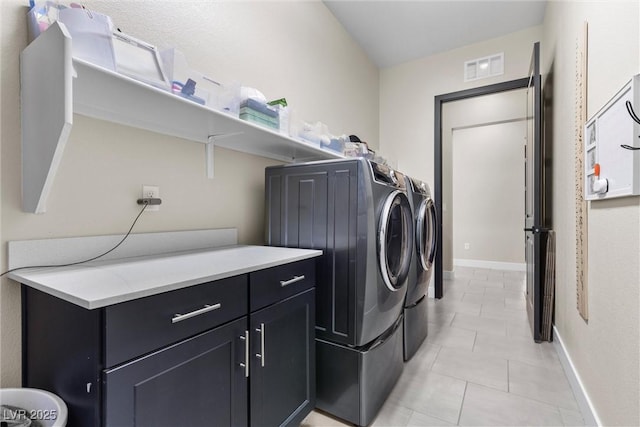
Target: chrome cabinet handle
[[295, 279], [261, 354], [207, 308], [245, 365]]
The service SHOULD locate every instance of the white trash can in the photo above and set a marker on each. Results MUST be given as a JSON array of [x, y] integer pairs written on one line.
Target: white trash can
[[39, 405]]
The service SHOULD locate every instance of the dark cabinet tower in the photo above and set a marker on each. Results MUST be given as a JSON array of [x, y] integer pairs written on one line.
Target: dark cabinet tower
[[233, 352]]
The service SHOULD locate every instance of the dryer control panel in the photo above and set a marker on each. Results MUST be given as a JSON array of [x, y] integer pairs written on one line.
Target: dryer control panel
[[385, 175]]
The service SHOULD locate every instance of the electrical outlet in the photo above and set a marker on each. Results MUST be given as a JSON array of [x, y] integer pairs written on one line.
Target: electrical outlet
[[151, 192], [466, 246]]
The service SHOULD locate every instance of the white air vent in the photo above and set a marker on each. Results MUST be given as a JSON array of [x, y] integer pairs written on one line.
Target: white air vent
[[481, 68]]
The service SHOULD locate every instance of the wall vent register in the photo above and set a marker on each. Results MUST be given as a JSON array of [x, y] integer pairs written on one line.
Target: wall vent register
[[480, 68]]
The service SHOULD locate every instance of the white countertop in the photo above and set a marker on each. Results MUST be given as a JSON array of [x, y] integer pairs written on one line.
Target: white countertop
[[102, 283]]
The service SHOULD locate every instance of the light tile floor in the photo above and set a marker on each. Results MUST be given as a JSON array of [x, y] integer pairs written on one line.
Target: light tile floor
[[479, 365]]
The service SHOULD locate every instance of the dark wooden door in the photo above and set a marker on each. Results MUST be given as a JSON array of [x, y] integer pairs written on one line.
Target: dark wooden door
[[197, 382], [283, 389], [535, 231]]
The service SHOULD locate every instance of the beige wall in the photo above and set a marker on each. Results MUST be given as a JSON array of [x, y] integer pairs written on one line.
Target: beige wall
[[407, 94], [606, 349], [488, 189], [470, 112], [285, 49]]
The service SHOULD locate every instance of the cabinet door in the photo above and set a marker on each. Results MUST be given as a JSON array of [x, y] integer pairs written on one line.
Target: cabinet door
[[283, 385], [197, 382]]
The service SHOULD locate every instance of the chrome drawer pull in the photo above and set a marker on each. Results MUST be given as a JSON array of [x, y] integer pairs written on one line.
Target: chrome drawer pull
[[207, 308], [245, 365], [261, 354], [295, 279]]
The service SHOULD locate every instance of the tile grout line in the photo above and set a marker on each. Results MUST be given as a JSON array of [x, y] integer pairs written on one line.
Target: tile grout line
[[431, 416], [491, 387], [466, 384], [545, 366], [435, 358], [553, 405], [455, 313], [562, 418], [484, 308], [410, 415]]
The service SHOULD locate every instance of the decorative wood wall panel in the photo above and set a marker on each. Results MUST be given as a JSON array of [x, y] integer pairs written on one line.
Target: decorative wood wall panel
[[581, 204]]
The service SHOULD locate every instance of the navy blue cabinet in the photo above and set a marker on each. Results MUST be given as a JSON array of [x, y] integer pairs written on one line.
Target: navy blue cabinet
[[196, 382], [283, 388], [233, 352]]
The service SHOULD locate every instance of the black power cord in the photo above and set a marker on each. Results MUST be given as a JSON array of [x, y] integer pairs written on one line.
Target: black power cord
[[86, 260], [636, 119], [632, 113]]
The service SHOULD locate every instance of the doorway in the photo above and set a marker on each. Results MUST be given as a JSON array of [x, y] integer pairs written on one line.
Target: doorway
[[440, 101], [483, 182]]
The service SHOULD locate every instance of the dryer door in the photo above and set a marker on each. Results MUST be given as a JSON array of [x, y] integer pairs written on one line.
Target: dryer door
[[426, 227], [395, 240]]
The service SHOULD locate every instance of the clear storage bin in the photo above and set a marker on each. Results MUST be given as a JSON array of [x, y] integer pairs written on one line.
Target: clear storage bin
[[91, 32]]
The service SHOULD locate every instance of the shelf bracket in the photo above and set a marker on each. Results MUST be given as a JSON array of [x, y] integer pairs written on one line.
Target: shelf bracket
[[209, 155], [46, 80]]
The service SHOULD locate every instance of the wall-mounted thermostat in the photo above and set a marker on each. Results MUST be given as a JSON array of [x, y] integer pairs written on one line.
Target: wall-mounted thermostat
[[612, 146]]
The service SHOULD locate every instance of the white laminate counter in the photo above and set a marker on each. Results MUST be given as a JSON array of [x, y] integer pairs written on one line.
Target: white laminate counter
[[102, 283]]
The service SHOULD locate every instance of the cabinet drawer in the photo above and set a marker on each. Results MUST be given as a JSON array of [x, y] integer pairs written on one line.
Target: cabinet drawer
[[137, 327], [277, 283]]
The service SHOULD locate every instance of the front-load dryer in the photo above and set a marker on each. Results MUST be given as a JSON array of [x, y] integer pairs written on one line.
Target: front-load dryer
[[424, 250], [358, 213]]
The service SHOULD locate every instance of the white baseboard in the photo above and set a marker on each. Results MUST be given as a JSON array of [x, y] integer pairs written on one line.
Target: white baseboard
[[495, 265], [582, 398]]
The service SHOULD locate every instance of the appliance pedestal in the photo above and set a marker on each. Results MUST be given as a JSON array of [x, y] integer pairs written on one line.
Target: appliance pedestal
[[353, 383], [414, 327]]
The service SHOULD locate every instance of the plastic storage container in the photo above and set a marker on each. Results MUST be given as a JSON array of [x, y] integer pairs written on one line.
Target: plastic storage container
[[91, 32], [39, 405], [206, 91]]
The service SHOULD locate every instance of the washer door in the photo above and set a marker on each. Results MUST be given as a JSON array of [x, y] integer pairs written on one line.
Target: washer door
[[426, 233], [395, 233]]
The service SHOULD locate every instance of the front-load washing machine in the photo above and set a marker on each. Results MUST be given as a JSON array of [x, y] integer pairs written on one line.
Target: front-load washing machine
[[358, 213], [424, 250]]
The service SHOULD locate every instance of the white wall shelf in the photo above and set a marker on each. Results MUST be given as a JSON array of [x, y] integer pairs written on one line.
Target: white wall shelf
[[55, 85]]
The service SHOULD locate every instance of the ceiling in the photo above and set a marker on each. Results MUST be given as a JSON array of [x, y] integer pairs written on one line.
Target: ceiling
[[393, 32]]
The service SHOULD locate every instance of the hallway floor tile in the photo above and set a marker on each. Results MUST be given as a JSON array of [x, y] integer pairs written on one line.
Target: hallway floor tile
[[479, 365]]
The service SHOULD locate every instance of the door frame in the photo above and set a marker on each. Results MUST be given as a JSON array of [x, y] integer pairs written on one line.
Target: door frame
[[440, 100]]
